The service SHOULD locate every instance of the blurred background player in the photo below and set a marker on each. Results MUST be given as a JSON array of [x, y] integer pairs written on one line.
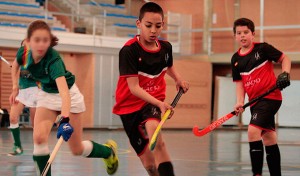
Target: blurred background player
[[58, 94], [141, 89], [27, 96], [252, 70]]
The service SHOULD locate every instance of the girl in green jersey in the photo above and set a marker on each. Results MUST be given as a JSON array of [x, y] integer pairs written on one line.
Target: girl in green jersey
[[59, 94]]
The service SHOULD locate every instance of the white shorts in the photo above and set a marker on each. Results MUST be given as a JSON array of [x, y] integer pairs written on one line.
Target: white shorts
[[28, 96], [53, 101]]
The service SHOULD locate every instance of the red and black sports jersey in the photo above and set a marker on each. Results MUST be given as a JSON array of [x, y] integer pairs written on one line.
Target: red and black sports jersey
[[150, 68], [255, 70]]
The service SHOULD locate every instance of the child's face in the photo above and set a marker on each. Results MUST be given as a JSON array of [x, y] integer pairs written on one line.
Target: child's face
[[244, 36], [39, 42], [150, 26]]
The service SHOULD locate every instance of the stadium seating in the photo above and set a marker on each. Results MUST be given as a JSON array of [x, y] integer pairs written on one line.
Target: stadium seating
[[110, 19], [20, 13]]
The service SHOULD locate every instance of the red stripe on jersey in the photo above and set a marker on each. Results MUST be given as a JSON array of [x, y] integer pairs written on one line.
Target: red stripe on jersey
[[131, 41], [259, 80], [127, 103], [255, 68], [153, 76]]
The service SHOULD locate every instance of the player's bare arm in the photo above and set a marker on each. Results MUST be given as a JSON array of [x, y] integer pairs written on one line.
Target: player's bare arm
[[285, 64], [15, 73], [283, 79], [136, 90], [240, 94], [65, 96], [179, 81]]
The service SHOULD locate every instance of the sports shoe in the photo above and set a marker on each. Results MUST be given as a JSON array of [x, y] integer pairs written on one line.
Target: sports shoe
[[16, 151], [112, 162]]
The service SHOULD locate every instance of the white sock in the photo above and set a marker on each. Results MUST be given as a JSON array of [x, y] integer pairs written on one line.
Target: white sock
[[40, 149], [14, 126], [87, 148]]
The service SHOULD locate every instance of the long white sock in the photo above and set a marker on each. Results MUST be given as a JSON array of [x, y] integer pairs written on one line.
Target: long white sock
[[40, 149], [14, 126]]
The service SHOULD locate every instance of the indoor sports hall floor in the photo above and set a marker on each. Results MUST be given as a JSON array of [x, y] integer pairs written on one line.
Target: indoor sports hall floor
[[220, 154]]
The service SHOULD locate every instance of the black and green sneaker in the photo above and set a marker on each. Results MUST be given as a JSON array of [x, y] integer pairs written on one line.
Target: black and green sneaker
[[16, 151], [112, 162]]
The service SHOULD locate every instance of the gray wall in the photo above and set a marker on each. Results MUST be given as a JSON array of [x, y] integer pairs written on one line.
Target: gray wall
[[106, 77]]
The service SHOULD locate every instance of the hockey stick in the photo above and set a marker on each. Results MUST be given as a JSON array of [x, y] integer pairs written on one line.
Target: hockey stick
[[52, 156], [4, 60], [55, 150], [220, 121], [163, 120]]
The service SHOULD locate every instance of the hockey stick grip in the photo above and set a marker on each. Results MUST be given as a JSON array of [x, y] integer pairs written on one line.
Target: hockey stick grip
[[260, 97], [167, 114], [257, 98], [176, 99]]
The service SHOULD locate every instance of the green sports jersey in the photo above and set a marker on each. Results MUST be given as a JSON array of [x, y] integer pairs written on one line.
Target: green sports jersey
[[47, 70], [26, 79]]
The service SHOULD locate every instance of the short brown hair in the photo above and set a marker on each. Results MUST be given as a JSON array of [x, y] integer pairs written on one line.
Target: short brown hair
[[243, 22], [40, 24]]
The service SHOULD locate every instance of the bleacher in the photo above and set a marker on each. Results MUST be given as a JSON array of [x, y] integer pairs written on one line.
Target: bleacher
[[19, 13], [111, 19], [118, 22]]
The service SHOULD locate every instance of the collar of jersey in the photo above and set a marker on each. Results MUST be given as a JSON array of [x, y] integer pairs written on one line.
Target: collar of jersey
[[247, 51], [145, 49]]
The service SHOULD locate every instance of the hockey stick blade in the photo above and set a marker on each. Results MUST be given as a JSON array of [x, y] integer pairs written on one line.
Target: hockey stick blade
[[212, 126], [223, 119]]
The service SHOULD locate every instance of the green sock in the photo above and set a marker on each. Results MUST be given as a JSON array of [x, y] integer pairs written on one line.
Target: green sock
[[41, 162], [99, 151], [16, 134]]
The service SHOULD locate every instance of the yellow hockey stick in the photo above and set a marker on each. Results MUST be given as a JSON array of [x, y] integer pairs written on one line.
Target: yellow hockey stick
[[163, 120]]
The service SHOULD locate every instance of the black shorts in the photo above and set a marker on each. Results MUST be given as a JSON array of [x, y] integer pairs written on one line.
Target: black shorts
[[263, 114], [134, 125]]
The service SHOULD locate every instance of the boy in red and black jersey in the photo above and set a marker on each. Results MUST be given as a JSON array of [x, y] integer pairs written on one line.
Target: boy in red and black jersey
[[141, 89], [252, 70]]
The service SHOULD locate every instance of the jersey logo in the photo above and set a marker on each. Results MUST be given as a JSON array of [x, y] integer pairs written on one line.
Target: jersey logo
[[252, 82], [167, 57], [139, 141], [151, 87], [154, 111], [257, 56], [236, 63], [254, 117], [25, 74]]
